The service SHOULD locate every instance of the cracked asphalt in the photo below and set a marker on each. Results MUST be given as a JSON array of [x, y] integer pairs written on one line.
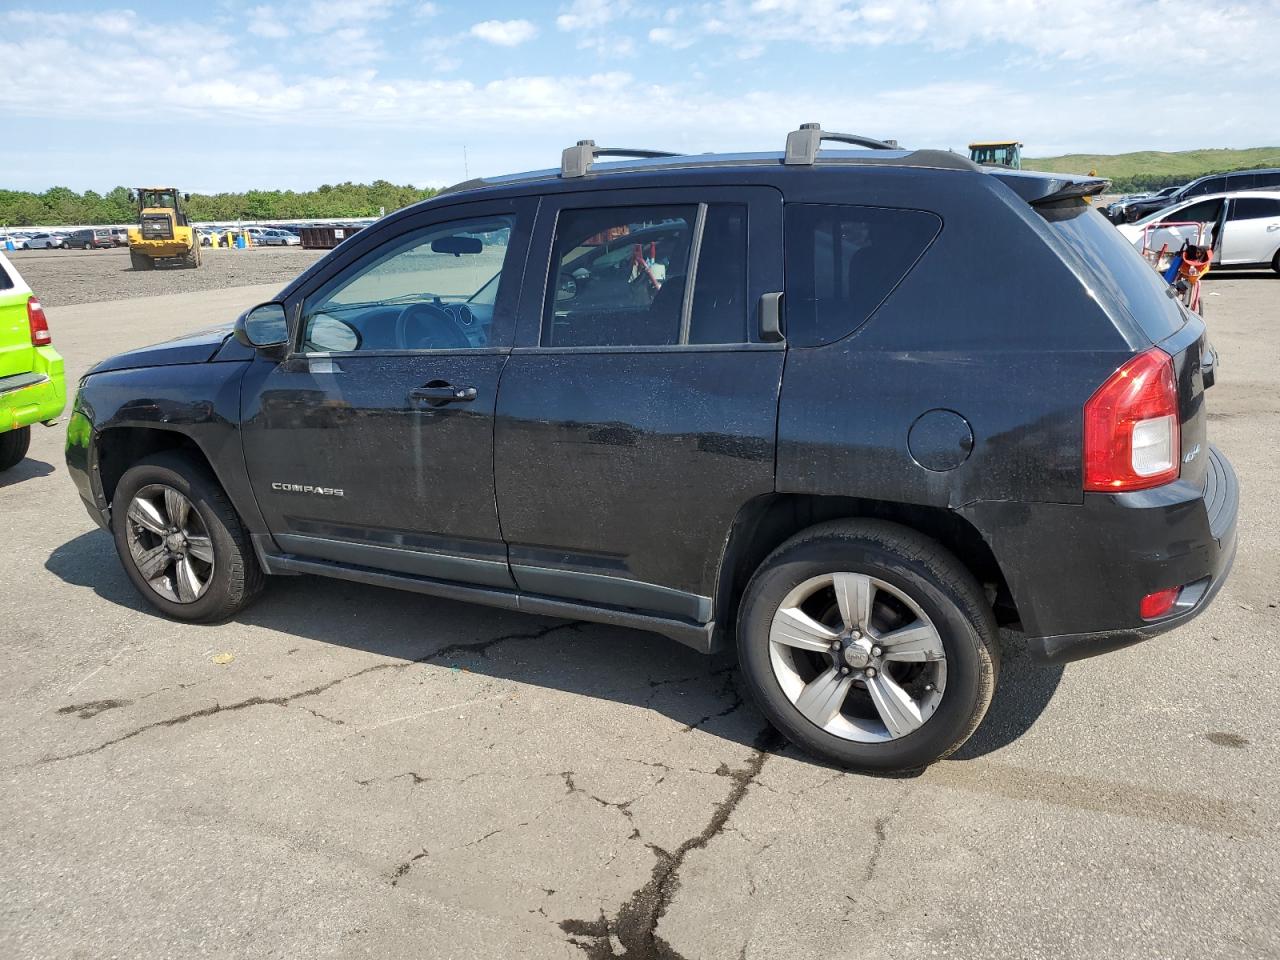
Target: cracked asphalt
[[347, 771]]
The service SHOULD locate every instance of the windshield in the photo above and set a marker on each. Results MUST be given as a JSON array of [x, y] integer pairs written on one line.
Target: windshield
[[158, 198]]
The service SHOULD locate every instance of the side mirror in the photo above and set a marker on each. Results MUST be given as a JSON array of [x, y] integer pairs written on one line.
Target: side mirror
[[186, 198], [263, 326]]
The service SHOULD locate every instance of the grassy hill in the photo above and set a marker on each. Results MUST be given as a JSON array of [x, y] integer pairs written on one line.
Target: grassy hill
[[1153, 169]]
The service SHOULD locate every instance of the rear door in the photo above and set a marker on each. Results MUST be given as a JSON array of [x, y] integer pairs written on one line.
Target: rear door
[[638, 411], [1252, 232]]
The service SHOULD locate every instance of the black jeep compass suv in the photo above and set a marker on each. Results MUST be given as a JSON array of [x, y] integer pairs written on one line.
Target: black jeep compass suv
[[847, 410]]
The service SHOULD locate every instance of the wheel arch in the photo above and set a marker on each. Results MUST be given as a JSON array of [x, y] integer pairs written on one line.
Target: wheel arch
[[764, 523], [117, 448]]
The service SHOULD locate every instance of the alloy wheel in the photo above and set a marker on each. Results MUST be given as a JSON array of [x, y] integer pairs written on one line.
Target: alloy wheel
[[169, 543], [857, 657]]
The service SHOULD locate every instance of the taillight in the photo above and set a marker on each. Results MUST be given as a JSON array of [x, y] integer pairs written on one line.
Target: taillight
[[1131, 434], [40, 336]]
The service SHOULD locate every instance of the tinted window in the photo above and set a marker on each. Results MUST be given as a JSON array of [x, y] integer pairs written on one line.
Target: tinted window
[[1242, 181], [1211, 185], [720, 311], [1255, 208], [843, 261], [618, 276], [431, 290], [1206, 211], [1118, 267], [1269, 179], [6, 282]]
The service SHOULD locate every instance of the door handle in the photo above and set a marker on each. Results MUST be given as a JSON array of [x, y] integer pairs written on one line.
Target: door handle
[[1273, 228], [438, 393]]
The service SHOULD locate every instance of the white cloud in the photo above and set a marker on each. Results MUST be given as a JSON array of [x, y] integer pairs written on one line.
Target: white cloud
[[671, 37], [505, 33], [425, 11], [1084, 30], [592, 14], [321, 16], [265, 22]]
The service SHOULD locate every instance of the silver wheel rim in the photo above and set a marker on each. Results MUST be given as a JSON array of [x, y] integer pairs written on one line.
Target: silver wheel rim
[[169, 543], [857, 657]]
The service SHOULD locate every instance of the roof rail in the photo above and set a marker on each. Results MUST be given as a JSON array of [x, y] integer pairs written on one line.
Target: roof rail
[[802, 144], [576, 161]]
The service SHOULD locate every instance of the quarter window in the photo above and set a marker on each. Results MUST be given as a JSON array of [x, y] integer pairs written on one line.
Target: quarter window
[[843, 261], [435, 289]]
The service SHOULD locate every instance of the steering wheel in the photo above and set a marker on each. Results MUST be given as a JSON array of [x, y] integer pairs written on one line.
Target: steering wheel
[[439, 329]]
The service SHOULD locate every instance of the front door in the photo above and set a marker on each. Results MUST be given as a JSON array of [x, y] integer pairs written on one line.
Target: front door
[[637, 412], [372, 442]]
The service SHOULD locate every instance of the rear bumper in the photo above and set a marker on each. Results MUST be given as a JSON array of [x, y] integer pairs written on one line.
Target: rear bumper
[[35, 397], [1078, 572]]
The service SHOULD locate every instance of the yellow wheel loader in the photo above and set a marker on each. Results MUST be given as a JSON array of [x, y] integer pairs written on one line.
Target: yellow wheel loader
[[162, 233], [997, 153]]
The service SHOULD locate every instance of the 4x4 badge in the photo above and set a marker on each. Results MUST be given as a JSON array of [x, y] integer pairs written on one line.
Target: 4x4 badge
[[1191, 454]]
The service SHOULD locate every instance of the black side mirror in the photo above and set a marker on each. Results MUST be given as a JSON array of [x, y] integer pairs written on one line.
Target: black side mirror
[[264, 327]]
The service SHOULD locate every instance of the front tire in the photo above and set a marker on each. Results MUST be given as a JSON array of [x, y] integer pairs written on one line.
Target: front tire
[[13, 447], [868, 645], [181, 541]]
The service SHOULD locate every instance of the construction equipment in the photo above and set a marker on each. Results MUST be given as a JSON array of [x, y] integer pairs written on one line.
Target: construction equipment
[[163, 232], [997, 153]]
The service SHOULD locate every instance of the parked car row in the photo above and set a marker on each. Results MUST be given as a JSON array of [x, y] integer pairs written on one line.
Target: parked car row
[[258, 236], [1132, 208], [86, 239], [1242, 227]]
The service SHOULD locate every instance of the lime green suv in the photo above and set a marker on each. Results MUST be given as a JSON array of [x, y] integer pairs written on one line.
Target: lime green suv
[[32, 386]]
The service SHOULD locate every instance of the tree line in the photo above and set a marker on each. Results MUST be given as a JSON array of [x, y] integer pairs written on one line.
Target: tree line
[[60, 206]]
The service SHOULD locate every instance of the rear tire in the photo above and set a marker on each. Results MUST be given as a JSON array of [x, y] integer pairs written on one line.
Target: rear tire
[[228, 580], [13, 447], [916, 701], [1275, 262]]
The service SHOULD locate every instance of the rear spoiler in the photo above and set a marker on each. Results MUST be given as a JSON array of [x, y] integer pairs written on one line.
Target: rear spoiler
[[1045, 188]]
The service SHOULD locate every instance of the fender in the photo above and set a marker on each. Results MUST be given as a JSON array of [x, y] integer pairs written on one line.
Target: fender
[[199, 402]]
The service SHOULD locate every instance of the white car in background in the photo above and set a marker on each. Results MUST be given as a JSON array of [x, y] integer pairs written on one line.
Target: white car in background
[[18, 240], [272, 237], [1243, 227], [46, 241]]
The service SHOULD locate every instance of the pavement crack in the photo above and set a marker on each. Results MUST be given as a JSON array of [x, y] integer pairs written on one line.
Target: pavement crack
[[320, 716], [633, 933], [480, 646]]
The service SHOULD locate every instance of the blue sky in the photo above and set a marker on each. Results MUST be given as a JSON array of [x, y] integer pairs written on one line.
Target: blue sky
[[232, 95]]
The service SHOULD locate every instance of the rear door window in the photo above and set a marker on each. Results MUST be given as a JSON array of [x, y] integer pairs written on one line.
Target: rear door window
[[649, 276], [1255, 208], [843, 261]]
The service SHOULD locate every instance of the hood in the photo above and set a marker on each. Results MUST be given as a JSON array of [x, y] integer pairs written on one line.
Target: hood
[[198, 347]]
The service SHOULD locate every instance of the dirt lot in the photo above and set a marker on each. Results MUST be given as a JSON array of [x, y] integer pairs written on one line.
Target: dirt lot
[[63, 277], [347, 771]]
